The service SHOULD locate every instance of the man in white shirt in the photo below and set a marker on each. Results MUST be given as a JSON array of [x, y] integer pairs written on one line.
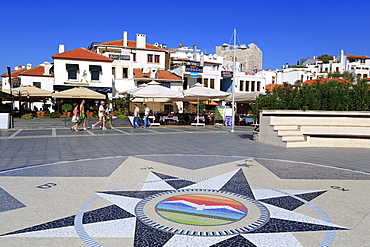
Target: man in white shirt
[[146, 117], [136, 117], [101, 116]]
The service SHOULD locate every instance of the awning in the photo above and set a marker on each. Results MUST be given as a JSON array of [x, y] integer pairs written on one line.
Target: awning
[[72, 66], [95, 68]]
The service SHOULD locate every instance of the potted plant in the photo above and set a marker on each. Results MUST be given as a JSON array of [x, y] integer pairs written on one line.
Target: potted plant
[[67, 108]]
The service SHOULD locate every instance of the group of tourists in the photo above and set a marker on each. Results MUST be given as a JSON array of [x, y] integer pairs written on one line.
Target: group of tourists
[[79, 117], [136, 122], [105, 116]]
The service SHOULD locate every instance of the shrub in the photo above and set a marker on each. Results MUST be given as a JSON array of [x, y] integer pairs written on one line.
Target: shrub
[[52, 115], [122, 116], [67, 107], [26, 116]]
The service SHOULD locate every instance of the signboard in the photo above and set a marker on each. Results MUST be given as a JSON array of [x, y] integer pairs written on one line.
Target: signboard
[[227, 74], [220, 110], [119, 57], [193, 74], [194, 68], [250, 73]]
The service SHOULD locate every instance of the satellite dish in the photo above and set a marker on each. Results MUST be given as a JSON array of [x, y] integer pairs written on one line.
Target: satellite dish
[[146, 70]]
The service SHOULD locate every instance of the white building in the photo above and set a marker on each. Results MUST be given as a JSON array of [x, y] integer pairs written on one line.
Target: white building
[[195, 67], [313, 68], [82, 67], [41, 76], [131, 56]]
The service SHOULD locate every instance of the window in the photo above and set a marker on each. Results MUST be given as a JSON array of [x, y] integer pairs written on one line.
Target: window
[[124, 73], [205, 82], [258, 86], [252, 86], [134, 57], [95, 75], [156, 58], [247, 86], [241, 85], [212, 83], [150, 58], [72, 74], [37, 84], [15, 85], [114, 72], [95, 72], [72, 71]]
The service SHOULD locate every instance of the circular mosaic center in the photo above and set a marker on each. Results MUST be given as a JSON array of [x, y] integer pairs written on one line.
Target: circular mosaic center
[[201, 210]]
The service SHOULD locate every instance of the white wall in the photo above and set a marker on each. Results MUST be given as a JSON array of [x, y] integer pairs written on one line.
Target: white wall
[[61, 74]]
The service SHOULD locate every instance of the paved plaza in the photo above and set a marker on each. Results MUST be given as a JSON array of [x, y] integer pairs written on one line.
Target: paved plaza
[[178, 186]]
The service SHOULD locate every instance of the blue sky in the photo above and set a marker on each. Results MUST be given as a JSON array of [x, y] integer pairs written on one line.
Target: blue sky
[[285, 31]]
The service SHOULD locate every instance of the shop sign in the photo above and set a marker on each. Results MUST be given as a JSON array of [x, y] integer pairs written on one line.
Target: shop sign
[[194, 68], [119, 57], [227, 74], [250, 73], [193, 74]]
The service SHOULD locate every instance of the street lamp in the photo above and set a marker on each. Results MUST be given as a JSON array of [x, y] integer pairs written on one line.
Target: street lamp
[[235, 46], [19, 93]]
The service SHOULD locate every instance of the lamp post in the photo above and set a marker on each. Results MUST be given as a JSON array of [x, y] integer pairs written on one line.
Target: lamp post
[[234, 46], [19, 94]]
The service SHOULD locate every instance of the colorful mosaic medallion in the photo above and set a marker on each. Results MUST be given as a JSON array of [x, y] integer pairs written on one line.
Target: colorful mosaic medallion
[[201, 210]]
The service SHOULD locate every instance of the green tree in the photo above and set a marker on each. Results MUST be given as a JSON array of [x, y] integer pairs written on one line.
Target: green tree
[[325, 58]]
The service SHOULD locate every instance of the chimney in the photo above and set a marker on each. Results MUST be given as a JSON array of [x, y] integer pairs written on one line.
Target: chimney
[[153, 73], [47, 67], [61, 49], [140, 41], [28, 66], [125, 38]]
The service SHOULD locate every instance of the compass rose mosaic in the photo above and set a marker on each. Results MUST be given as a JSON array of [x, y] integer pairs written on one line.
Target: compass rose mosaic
[[225, 206]]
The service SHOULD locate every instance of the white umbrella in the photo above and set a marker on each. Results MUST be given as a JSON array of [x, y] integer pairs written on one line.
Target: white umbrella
[[79, 92], [198, 92], [155, 90], [244, 97], [132, 90]]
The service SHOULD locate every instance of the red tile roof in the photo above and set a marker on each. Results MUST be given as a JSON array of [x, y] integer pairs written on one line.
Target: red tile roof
[[36, 71], [271, 87], [163, 75], [354, 56], [131, 44], [322, 80], [83, 55], [14, 73]]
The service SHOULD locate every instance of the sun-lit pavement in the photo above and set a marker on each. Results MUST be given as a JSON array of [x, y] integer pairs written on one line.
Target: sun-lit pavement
[[178, 186]]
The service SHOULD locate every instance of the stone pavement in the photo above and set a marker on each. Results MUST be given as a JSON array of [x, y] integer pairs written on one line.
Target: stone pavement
[[178, 186]]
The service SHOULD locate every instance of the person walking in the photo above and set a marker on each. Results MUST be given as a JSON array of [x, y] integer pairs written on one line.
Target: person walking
[[82, 114], [101, 113], [146, 117], [75, 118], [136, 117], [109, 115]]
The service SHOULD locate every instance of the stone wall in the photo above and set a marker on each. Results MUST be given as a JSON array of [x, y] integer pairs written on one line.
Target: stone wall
[[315, 128], [249, 59]]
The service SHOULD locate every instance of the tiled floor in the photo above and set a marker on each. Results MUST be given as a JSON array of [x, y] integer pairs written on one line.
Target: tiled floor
[[178, 186]]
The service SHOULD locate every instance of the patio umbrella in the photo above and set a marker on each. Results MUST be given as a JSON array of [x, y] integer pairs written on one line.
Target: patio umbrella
[[155, 90], [30, 91], [198, 92], [79, 92], [243, 97]]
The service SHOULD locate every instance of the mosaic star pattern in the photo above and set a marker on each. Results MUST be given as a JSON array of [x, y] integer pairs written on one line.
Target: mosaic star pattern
[[181, 198]]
